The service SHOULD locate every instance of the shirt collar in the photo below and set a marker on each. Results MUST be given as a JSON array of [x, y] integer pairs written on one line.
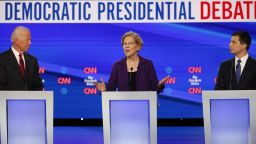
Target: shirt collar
[[243, 59], [16, 53]]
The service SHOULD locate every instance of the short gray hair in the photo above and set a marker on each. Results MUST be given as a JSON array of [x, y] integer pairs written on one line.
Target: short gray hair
[[18, 31]]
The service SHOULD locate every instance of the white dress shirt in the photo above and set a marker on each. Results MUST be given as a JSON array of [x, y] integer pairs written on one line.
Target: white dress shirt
[[16, 53], [242, 63]]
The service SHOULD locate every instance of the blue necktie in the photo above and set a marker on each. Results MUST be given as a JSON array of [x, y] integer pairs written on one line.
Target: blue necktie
[[238, 70]]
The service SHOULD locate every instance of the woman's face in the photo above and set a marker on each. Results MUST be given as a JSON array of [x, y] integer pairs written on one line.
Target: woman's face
[[130, 47]]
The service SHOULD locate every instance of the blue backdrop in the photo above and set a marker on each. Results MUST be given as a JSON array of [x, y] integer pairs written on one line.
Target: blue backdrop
[[72, 56]]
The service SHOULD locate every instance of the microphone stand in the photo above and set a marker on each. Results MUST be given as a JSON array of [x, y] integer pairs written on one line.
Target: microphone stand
[[231, 75], [130, 79]]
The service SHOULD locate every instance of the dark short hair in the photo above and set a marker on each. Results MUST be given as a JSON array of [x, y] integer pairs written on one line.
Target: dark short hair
[[244, 38]]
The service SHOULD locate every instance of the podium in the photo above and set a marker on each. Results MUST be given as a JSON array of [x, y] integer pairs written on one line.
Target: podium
[[26, 117], [129, 117], [229, 117]]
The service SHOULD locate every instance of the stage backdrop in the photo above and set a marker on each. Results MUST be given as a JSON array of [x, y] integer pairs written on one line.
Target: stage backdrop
[[73, 56]]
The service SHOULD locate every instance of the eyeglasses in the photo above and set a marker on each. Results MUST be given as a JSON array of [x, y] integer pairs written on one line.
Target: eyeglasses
[[128, 44]]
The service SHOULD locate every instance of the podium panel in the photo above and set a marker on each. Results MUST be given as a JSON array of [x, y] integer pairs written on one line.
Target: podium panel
[[26, 121], [129, 117], [230, 121], [26, 117], [229, 117]]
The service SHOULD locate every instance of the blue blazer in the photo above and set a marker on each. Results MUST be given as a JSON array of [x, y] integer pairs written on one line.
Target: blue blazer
[[146, 78]]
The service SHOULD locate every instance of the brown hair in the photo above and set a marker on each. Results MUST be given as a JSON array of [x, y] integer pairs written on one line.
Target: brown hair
[[244, 38]]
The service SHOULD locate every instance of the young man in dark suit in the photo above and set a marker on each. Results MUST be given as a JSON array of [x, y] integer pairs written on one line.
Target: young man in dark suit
[[238, 73], [18, 69]]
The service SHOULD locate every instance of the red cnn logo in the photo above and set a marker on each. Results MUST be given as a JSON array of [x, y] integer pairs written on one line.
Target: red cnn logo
[[194, 90], [64, 80], [195, 69], [171, 80], [41, 70], [90, 70], [88, 91]]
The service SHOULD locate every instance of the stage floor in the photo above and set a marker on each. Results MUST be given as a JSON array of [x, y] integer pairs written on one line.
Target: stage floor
[[94, 135]]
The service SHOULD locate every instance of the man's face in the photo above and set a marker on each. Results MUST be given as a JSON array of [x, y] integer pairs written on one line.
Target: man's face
[[235, 46], [23, 42]]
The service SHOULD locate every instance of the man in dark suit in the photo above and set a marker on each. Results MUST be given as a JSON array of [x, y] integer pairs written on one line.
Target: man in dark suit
[[18, 69], [238, 73]]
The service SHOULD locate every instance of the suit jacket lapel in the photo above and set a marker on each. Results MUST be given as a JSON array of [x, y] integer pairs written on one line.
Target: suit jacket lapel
[[27, 65], [232, 74], [124, 74], [245, 70], [139, 69], [14, 62]]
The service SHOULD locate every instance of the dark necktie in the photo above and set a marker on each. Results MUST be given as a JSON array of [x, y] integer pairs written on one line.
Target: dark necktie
[[22, 66], [238, 70]]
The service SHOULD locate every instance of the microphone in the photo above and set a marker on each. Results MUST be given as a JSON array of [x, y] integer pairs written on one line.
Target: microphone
[[231, 75], [130, 79]]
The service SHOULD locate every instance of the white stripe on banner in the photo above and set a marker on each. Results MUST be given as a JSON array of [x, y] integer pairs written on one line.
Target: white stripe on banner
[[126, 11]]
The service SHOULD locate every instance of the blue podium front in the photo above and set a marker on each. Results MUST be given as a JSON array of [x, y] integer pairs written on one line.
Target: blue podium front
[[26, 117], [129, 117], [26, 121], [229, 117]]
